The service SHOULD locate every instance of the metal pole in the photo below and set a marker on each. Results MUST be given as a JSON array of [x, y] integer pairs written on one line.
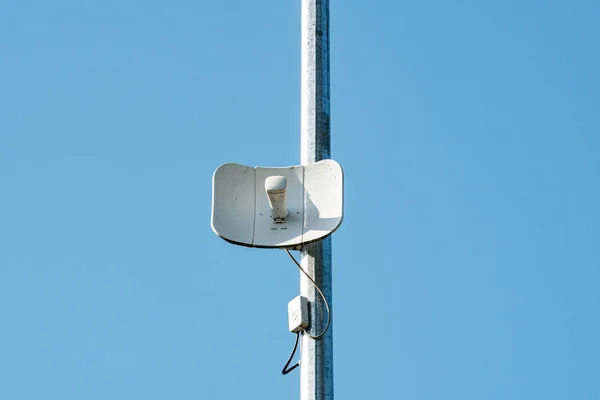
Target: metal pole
[[316, 368]]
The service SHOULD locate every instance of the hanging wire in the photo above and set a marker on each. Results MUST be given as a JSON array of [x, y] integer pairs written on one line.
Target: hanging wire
[[322, 295], [286, 371]]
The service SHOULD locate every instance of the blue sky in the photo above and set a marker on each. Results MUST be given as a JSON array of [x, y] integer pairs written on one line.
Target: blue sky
[[467, 266]]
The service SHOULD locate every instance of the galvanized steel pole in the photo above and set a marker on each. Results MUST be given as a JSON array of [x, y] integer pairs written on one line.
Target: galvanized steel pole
[[316, 368]]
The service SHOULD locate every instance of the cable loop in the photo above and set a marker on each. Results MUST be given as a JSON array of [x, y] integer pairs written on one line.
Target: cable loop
[[320, 335]]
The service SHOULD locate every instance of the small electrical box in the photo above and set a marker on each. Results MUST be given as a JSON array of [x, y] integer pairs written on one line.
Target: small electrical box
[[298, 314]]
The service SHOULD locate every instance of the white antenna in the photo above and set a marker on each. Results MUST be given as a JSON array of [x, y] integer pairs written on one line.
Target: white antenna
[[284, 207]]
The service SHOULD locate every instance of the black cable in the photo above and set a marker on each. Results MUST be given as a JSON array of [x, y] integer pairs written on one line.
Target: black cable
[[286, 371]]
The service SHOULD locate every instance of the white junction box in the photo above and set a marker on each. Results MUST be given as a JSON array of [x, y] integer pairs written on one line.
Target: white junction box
[[298, 314]]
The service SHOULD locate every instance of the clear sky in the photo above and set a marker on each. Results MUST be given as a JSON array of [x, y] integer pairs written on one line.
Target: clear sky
[[468, 263]]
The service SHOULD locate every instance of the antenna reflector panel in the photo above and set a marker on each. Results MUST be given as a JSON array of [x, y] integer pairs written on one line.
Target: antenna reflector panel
[[277, 207]]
